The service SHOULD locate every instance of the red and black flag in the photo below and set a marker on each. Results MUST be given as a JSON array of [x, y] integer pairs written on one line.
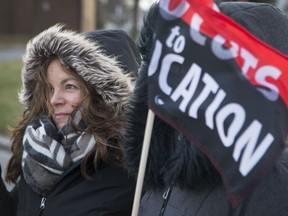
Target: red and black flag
[[223, 88]]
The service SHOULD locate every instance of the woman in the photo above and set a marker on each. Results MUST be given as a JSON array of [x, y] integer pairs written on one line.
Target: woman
[[179, 179], [67, 149]]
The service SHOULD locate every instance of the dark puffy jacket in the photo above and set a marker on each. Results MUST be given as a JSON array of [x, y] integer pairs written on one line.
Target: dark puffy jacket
[[110, 193], [268, 199], [197, 186]]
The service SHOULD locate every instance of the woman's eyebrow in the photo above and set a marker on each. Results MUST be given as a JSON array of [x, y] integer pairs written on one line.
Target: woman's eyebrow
[[68, 79]]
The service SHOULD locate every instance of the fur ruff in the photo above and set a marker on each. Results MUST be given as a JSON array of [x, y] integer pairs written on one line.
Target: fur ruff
[[102, 71]]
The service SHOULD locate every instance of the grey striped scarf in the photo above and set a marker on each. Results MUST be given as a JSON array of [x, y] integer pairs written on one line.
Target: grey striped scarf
[[49, 152]]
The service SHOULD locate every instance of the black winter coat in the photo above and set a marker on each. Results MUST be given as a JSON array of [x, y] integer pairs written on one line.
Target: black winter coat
[[269, 198], [110, 193]]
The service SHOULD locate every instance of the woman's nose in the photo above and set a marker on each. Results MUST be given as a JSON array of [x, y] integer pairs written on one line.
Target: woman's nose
[[57, 98]]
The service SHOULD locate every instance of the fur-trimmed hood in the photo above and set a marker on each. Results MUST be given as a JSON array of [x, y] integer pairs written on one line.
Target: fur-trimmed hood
[[172, 158], [107, 59]]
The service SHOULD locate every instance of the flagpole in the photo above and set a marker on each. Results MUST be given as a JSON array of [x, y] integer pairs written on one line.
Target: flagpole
[[143, 162]]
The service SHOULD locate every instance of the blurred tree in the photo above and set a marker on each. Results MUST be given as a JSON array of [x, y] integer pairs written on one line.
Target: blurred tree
[[115, 14], [122, 14], [134, 31], [89, 16]]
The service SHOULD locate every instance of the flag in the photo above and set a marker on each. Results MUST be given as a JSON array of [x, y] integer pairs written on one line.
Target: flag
[[224, 89]]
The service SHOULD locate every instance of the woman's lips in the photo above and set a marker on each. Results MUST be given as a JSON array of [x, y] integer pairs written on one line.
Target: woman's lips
[[61, 115]]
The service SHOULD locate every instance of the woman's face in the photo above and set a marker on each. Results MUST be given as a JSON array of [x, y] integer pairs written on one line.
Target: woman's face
[[65, 92]]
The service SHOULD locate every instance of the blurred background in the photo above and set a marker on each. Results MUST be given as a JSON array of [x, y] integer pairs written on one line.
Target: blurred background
[[20, 20], [24, 19]]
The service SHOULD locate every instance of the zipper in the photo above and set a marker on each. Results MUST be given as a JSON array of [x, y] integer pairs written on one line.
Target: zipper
[[43, 201], [166, 193], [166, 196], [42, 205], [44, 198]]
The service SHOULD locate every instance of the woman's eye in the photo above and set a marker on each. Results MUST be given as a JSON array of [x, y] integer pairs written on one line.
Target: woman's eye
[[70, 87]]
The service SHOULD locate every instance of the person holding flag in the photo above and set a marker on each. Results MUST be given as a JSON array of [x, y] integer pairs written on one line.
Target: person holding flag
[[188, 172]]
